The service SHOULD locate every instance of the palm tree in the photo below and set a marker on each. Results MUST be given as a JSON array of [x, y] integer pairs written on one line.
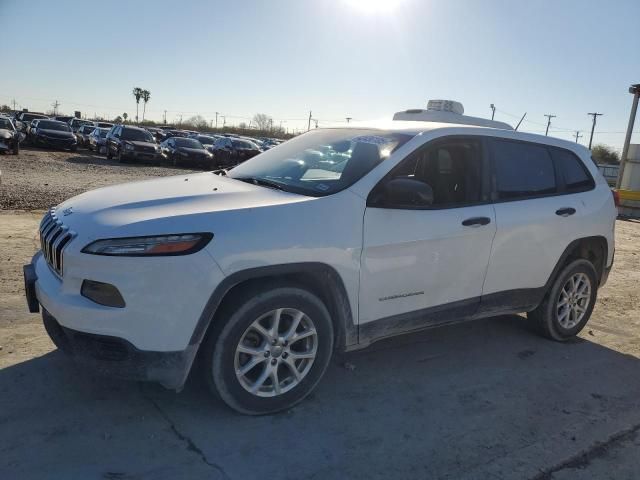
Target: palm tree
[[125, 116], [137, 94], [146, 96]]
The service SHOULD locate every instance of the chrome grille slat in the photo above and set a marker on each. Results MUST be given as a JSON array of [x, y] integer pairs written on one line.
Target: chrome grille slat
[[54, 237]]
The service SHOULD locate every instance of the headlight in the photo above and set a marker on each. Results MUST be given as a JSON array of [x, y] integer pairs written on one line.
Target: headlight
[[178, 244], [158, 149], [128, 147]]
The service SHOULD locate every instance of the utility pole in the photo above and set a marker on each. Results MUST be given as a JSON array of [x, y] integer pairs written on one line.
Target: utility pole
[[224, 120], [593, 127], [14, 104], [348, 119], [549, 117], [577, 135], [316, 120], [165, 117], [493, 110], [217, 120], [55, 106], [180, 119], [309, 122], [635, 90]]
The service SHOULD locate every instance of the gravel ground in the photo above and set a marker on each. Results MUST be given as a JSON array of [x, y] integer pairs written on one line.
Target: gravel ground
[[38, 179]]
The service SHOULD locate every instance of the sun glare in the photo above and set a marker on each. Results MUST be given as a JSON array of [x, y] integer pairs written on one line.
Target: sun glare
[[374, 6]]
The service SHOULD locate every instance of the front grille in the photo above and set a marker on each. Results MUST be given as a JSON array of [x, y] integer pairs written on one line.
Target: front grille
[[146, 149], [54, 237]]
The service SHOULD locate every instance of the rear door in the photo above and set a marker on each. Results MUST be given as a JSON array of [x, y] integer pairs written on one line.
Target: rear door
[[429, 260], [538, 216]]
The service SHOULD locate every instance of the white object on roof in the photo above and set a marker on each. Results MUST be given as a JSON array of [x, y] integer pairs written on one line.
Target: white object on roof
[[447, 111]]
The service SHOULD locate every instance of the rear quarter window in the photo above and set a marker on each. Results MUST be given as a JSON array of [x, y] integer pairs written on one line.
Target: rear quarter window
[[571, 170]]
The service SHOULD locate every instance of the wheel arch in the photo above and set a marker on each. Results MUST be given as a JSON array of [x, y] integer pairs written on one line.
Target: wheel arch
[[594, 249], [319, 278]]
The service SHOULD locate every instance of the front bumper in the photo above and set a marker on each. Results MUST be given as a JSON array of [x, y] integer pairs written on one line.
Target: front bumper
[[118, 358], [142, 156], [55, 142]]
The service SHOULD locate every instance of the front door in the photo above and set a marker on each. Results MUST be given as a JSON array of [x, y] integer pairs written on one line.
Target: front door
[[427, 265]]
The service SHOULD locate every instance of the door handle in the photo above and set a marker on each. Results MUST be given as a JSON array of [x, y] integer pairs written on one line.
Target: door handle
[[476, 221], [565, 212]]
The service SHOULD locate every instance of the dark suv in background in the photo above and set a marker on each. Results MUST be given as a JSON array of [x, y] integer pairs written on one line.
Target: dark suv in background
[[127, 143]]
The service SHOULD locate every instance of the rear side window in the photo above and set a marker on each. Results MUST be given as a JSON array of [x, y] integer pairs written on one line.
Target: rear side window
[[575, 176], [522, 170]]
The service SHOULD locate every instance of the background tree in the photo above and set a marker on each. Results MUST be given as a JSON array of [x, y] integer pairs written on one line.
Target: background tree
[[146, 96], [605, 154], [262, 121], [196, 122], [137, 94], [5, 109], [118, 119], [125, 116]]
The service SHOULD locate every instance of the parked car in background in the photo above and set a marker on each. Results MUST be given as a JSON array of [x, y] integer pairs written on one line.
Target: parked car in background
[[104, 124], [52, 133], [76, 123], [97, 140], [23, 120], [83, 132], [127, 143], [182, 150], [229, 151], [63, 118], [206, 140], [9, 136]]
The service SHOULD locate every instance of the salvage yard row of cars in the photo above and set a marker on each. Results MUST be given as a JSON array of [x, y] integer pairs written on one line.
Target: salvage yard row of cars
[[128, 143]]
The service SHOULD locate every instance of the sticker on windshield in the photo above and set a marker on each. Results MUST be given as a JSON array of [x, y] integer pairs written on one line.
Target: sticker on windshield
[[323, 187], [373, 139]]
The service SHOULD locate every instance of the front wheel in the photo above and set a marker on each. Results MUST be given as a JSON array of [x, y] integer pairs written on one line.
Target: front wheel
[[271, 352], [108, 153], [567, 307], [16, 149]]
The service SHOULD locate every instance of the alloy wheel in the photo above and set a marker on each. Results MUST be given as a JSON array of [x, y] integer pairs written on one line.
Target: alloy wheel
[[276, 352], [573, 301]]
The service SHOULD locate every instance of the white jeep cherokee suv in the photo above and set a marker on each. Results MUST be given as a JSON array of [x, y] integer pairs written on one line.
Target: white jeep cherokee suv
[[332, 240]]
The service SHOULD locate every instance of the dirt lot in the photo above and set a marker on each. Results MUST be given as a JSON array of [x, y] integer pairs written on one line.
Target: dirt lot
[[487, 400]]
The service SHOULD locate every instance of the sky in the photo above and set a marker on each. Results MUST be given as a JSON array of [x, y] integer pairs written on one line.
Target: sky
[[364, 59]]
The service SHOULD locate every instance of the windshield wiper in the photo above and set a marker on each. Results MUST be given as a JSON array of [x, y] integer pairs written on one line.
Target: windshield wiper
[[263, 182]]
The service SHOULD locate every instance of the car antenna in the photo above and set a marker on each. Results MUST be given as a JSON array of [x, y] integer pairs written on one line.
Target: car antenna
[[525, 114]]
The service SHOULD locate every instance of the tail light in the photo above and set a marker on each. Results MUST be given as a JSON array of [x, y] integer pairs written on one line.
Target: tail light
[[616, 197]]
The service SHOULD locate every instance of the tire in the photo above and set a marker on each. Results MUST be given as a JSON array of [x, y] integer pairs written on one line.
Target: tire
[[74, 148], [558, 322], [16, 149], [219, 354], [119, 156], [108, 152]]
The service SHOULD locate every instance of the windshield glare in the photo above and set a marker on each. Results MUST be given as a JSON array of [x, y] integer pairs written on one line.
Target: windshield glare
[[322, 162], [136, 135], [188, 143], [53, 125]]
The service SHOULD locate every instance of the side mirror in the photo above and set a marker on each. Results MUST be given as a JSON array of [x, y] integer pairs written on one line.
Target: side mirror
[[405, 192]]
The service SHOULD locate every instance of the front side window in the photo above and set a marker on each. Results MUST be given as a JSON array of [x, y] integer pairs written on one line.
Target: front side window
[[321, 162], [451, 168], [575, 176], [522, 170]]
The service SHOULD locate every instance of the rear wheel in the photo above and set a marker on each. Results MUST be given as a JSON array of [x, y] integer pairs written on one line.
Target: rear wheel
[[567, 306], [271, 352]]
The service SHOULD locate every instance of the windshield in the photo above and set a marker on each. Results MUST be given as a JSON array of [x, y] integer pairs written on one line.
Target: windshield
[[188, 143], [5, 124], [103, 132], [28, 117], [204, 140], [137, 135], [322, 162], [53, 125]]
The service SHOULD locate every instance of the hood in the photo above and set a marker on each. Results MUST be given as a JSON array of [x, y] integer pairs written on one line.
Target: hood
[[192, 151], [165, 205], [55, 133], [139, 144], [6, 134]]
